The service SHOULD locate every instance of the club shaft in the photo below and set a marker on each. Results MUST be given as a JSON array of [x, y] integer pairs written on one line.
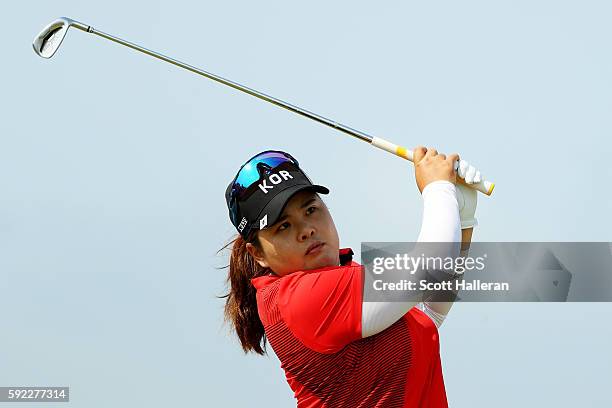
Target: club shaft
[[483, 186], [333, 124]]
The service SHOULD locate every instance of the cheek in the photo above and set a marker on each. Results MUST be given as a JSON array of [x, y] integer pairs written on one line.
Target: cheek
[[282, 254], [330, 227], [288, 251], [272, 252]]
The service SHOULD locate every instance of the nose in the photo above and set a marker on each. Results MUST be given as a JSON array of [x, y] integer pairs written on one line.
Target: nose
[[306, 232]]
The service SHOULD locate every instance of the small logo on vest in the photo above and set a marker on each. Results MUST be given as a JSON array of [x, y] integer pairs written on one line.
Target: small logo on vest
[[274, 179], [263, 222], [243, 224]]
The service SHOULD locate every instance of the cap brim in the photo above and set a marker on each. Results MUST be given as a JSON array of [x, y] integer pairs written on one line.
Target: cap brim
[[275, 207]]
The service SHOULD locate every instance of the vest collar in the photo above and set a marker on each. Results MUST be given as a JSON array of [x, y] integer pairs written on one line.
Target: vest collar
[[346, 256]]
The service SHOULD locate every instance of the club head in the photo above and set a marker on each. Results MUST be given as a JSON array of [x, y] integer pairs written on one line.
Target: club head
[[50, 38]]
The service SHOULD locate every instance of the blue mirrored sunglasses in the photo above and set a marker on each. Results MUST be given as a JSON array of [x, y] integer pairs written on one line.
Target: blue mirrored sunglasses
[[254, 170]]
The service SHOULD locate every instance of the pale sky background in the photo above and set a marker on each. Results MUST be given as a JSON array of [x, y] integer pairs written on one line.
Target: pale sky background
[[113, 167]]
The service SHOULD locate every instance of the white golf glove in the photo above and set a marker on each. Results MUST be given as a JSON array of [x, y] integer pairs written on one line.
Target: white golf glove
[[468, 172], [467, 197]]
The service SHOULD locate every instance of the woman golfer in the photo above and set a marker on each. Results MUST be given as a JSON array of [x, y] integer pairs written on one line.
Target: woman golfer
[[292, 285]]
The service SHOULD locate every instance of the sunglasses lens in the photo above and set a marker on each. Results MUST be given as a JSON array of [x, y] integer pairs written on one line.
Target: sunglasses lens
[[253, 171], [256, 168]]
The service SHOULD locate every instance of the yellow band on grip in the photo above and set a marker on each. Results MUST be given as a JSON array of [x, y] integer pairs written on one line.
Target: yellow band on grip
[[401, 151], [485, 187]]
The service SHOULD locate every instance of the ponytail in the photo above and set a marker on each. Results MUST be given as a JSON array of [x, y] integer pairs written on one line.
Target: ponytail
[[241, 304]]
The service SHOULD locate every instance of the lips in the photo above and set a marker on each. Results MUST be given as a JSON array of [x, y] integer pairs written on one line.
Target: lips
[[314, 245]]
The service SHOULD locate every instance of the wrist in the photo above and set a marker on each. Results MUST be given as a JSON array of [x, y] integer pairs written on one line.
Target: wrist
[[469, 223], [466, 240]]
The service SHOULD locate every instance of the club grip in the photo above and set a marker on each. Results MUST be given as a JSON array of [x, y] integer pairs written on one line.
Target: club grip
[[485, 187]]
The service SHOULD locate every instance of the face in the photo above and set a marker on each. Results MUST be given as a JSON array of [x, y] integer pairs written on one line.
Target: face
[[284, 245]]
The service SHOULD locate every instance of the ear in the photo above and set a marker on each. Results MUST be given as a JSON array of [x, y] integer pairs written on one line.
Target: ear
[[257, 255]]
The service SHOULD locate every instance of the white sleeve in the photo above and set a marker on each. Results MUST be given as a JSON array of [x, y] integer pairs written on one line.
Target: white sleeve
[[440, 224], [437, 318]]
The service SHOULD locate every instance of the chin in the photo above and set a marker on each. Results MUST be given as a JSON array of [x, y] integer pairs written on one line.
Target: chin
[[325, 261]]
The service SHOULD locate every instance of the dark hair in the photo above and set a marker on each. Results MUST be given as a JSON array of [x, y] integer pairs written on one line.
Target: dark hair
[[241, 304]]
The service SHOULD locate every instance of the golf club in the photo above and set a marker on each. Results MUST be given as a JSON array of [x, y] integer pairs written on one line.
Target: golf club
[[50, 38]]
